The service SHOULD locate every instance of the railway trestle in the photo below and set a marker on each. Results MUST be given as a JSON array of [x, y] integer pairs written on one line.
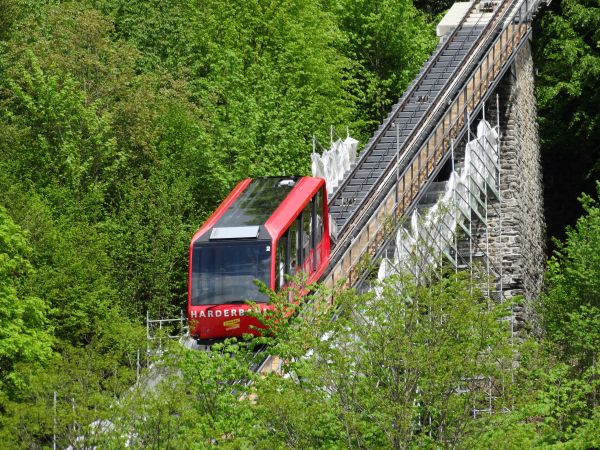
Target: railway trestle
[[404, 159]]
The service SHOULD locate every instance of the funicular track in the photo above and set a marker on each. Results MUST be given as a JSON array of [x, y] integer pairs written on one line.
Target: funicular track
[[407, 116], [414, 142], [395, 168]]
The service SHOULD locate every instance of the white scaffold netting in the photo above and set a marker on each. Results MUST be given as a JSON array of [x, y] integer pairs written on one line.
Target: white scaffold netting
[[335, 162], [428, 236]]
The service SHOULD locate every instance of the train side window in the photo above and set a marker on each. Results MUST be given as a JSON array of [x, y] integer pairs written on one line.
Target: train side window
[[293, 248], [306, 232], [315, 228], [299, 233], [281, 266], [319, 216]]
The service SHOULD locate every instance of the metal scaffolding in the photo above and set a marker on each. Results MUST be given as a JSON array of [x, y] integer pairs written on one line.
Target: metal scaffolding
[[159, 330], [451, 227], [450, 224]]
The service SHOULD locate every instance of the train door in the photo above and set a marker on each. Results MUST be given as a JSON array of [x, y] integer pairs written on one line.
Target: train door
[[288, 254], [306, 239], [281, 262], [318, 213], [313, 227]]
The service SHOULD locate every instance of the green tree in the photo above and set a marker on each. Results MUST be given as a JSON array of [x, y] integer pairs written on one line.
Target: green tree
[[570, 312], [406, 368], [78, 396], [63, 156], [433, 7], [387, 42], [97, 139], [25, 334], [567, 54], [186, 399], [571, 307], [558, 380], [8, 13], [265, 76]]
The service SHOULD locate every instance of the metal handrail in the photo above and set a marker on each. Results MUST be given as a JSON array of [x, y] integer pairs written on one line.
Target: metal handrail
[[506, 51], [436, 99], [401, 105], [429, 112]]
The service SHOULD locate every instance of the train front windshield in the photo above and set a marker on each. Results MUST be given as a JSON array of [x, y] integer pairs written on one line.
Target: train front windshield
[[225, 272]]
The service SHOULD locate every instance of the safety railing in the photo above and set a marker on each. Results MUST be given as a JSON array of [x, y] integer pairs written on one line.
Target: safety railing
[[403, 104], [160, 330], [410, 182]]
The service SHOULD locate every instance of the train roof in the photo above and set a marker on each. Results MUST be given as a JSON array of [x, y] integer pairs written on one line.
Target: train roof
[[271, 202]]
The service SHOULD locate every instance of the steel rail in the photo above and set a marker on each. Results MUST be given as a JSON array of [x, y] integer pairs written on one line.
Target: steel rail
[[400, 106], [505, 14], [407, 100], [416, 114], [428, 121]]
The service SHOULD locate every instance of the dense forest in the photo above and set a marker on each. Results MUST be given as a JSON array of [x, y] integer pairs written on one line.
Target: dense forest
[[122, 126]]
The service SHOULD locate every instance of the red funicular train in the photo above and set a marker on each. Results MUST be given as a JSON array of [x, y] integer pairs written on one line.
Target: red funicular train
[[264, 229]]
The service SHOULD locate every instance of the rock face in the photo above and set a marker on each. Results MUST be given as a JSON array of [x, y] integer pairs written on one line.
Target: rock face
[[516, 224]]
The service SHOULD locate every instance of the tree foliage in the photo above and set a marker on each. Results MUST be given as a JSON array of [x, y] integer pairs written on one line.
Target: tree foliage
[[383, 53], [122, 126], [25, 334], [559, 378], [406, 368], [572, 304], [567, 53]]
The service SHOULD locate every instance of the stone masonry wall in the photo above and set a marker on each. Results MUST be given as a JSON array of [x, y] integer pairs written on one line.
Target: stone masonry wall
[[517, 233]]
